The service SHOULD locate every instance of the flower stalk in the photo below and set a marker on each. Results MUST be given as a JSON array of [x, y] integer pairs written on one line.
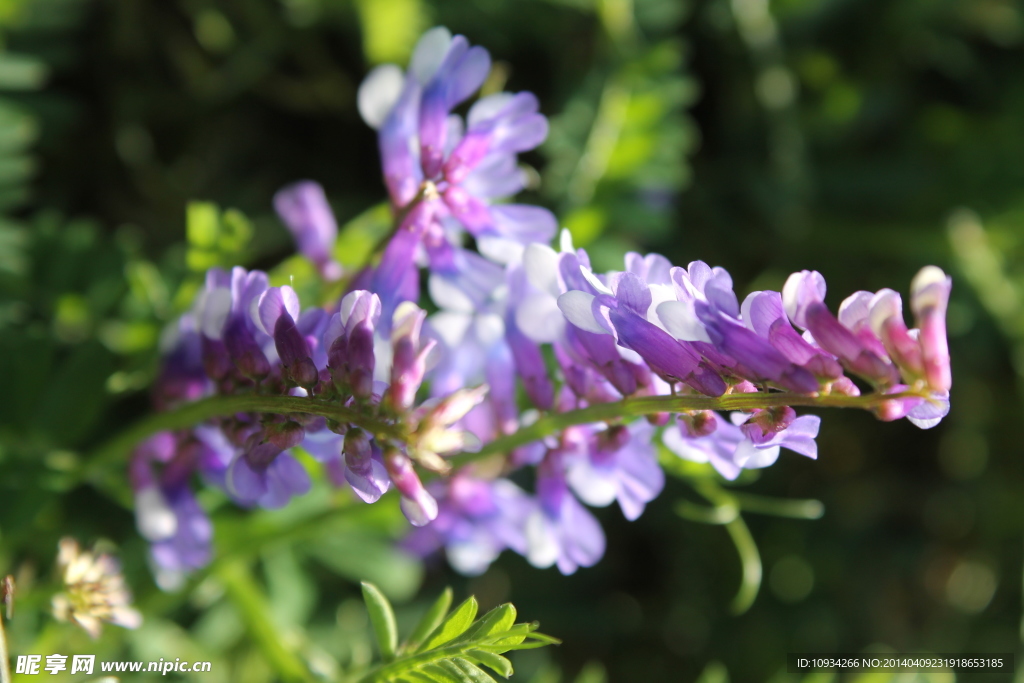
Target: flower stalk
[[117, 449]]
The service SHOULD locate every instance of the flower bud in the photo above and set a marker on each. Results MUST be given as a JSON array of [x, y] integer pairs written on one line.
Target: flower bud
[[286, 435], [417, 503], [360, 361], [929, 299]]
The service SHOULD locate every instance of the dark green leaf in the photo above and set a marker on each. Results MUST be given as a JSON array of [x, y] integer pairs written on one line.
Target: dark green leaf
[[430, 620], [383, 619]]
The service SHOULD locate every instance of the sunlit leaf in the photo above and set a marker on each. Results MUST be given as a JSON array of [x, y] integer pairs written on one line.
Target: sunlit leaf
[[455, 625]]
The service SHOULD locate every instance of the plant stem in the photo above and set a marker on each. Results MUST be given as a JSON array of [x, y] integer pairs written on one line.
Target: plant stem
[[220, 406], [750, 562], [190, 414], [5, 658], [243, 591], [651, 405]]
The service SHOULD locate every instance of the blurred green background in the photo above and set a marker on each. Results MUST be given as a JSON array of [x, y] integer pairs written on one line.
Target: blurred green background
[[861, 138]]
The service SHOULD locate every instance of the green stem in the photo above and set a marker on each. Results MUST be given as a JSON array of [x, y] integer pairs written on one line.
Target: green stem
[[221, 406], [750, 561], [651, 405], [190, 414], [779, 507], [243, 591]]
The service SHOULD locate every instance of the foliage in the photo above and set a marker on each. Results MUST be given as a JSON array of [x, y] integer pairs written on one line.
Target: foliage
[[445, 646]]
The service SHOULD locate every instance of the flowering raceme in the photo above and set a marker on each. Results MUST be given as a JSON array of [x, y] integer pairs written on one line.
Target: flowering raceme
[[532, 358]]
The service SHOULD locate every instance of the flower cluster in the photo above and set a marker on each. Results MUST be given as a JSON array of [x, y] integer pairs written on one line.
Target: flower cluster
[[94, 590], [377, 391]]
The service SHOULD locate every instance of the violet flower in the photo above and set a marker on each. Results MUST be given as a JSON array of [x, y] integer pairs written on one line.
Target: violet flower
[[560, 530], [276, 313], [267, 476], [304, 210], [419, 507], [349, 340], [451, 173], [476, 521], [618, 463], [746, 441]]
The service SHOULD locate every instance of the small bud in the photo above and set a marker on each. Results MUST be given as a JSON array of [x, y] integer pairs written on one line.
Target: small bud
[[216, 361], [286, 435], [929, 299], [454, 407], [7, 595], [360, 361], [766, 423], [244, 351], [698, 423], [417, 504]]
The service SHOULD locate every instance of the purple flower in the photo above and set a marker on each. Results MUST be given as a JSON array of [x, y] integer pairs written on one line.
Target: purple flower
[[166, 513], [803, 298], [225, 311], [266, 476], [560, 530], [364, 466], [762, 312], [559, 280], [460, 73], [305, 212], [476, 521], [276, 313], [409, 357], [619, 463], [183, 376], [929, 298], [452, 173], [748, 441], [419, 506], [188, 546], [922, 411], [349, 340], [620, 309]]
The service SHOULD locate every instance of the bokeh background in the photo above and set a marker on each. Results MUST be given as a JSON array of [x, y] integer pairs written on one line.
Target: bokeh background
[[861, 138]]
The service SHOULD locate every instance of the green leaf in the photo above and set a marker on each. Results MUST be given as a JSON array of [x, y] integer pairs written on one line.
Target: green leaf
[[455, 647], [201, 224], [454, 626], [436, 672], [498, 620], [390, 28], [430, 620], [358, 238], [500, 664], [383, 619], [471, 671]]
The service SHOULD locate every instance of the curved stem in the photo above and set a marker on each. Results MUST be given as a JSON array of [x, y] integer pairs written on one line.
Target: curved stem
[[221, 406], [190, 414]]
